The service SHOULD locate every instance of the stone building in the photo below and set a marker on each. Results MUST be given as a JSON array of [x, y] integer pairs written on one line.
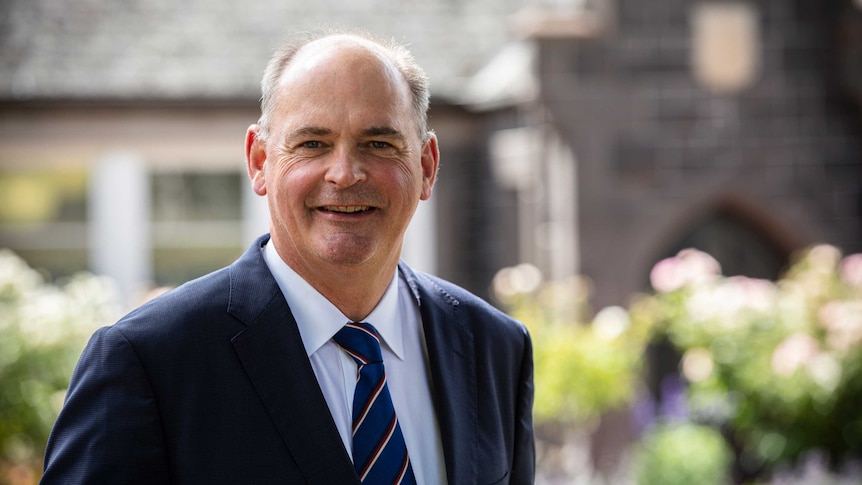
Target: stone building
[[734, 127], [647, 127]]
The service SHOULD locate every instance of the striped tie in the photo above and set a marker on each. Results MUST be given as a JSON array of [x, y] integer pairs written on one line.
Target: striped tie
[[379, 452]]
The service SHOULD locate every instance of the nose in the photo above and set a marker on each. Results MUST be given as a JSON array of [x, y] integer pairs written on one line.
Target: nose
[[345, 168]]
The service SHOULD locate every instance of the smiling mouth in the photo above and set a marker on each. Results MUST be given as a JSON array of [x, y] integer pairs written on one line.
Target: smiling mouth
[[346, 209]]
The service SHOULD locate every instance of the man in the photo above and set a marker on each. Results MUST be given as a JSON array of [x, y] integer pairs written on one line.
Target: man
[[244, 376]]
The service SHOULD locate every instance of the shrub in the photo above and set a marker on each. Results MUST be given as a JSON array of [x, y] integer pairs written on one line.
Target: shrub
[[779, 362], [683, 454], [43, 328]]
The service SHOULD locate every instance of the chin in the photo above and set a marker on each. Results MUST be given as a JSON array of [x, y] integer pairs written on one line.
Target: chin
[[342, 254]]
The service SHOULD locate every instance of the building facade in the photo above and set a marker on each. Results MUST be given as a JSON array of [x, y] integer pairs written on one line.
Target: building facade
[[733, 127]]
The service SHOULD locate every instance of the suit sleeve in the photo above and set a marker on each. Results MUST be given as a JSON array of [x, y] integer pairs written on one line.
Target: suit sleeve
[[109, 428], [524, 459]]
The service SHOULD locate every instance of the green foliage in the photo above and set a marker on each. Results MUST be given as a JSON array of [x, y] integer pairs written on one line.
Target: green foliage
[[581, 370], [780, 362], [43, 329], [683, 454]]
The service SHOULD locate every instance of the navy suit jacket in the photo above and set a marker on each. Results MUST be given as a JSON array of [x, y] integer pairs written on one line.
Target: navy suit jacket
[[210, 383]]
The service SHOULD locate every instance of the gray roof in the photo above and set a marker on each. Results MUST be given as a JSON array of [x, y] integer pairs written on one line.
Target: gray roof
[[164, 49]]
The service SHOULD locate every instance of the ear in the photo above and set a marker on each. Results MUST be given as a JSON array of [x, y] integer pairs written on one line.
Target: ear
[[255, 158], [430, 163]]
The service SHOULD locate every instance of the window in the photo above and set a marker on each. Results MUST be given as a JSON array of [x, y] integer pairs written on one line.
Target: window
[[43, 218], [725, 45], [197, 223]]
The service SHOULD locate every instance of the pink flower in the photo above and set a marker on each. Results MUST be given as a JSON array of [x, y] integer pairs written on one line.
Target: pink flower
[[851, 270], [667, 275], [689, 266]]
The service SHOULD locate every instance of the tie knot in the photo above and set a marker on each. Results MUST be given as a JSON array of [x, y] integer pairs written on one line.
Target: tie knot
[[361, 341]]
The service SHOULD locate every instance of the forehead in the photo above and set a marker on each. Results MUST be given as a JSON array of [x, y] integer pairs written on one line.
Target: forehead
[[334, 72]]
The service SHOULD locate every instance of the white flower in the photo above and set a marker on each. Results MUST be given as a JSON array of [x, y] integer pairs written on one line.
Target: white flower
[[756, 294], [727, 299], [15, 275], [43, 315], [824, 370], [824, 257], [795, 351], [843, 323], [697, 364], [523, 278], [611, 322], [706, 303]]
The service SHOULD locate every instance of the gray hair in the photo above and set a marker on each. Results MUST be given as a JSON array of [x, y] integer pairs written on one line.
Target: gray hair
[[397, 53]]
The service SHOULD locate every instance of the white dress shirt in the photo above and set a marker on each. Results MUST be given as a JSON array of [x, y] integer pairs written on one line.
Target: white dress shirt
[[397, 320]]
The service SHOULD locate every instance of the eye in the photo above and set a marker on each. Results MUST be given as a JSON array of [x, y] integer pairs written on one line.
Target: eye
[[312, 144], [379, 145]]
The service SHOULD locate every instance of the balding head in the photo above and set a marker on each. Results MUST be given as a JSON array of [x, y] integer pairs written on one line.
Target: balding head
[[388, 52]]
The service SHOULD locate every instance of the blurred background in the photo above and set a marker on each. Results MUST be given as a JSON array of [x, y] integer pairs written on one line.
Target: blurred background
[[586, 145]]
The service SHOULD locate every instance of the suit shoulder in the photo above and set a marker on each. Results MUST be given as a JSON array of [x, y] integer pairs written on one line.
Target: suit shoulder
[[477, 310], [194, 301], [196, 293]]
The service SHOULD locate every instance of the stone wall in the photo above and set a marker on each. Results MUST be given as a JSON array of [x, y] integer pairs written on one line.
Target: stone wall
[[658, 152]]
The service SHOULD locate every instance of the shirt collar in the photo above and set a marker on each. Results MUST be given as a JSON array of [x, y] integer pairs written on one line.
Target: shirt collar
[[319, 320]]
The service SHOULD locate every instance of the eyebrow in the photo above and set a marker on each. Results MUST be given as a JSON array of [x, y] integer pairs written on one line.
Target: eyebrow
[[383, 130], [308, 131], [372, 131]]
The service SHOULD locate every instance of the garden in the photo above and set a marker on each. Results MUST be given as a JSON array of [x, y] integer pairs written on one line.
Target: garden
[[766, 384], [767, 388]]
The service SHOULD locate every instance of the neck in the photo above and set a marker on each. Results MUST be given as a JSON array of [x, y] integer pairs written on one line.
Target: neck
[[354, 289], [354, 292]]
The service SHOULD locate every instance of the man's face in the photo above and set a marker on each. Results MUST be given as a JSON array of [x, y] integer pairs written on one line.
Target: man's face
[[343, 165]]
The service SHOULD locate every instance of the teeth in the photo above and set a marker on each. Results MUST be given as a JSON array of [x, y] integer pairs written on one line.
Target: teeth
[[347, 208]]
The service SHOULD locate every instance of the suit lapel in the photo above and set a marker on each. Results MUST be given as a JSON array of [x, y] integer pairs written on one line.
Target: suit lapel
[[453, 376], [271, 351]]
